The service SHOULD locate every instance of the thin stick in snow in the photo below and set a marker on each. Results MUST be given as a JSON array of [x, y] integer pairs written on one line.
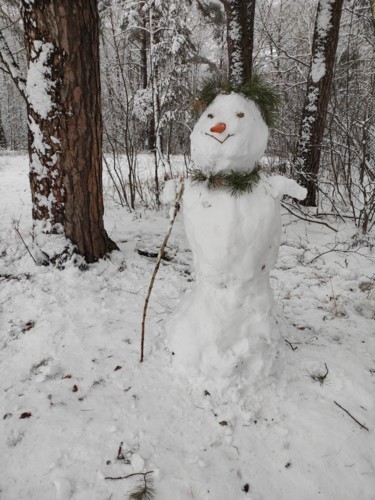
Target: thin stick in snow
[[350, 415], [144, 474], [158, 261], [23, 241]]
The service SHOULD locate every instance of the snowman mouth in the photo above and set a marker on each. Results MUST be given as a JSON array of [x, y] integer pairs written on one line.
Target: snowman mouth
[[218, 140]]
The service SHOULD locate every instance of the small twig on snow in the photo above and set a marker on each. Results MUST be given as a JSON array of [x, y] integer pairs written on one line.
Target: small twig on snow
[[144, 474], [120, 455], [158, 261], [350, 415], [294, 348]]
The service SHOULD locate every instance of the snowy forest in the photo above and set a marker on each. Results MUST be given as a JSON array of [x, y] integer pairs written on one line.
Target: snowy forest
[[187, 231]]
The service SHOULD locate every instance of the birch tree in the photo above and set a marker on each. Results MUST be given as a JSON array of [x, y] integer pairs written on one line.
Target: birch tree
[[326, 32]]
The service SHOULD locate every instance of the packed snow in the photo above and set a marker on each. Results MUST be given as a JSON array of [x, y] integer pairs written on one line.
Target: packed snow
[[39, 79], [226, 326], [73, 390], [233, 147]]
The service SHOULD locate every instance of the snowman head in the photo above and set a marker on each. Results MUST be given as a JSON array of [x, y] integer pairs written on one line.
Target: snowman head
[[230, 135]]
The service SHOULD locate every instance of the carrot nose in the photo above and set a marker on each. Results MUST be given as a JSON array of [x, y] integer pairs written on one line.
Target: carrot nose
[[218, 128]]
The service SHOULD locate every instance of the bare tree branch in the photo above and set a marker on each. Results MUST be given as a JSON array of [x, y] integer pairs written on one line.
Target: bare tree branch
[[6, 57]]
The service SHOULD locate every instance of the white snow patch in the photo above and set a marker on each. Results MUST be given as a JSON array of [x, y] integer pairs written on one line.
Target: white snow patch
[[38, 143], [61, 329], [39, 84]]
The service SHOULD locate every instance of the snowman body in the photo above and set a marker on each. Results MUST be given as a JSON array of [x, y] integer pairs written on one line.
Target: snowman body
[[227, 322]]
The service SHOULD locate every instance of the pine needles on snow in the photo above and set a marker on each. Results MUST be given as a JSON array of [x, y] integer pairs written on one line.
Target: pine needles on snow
[[236, 182], [255, 89], [145, 491]]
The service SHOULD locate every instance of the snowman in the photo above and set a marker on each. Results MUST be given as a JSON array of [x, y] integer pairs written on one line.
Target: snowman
[[226, 324]]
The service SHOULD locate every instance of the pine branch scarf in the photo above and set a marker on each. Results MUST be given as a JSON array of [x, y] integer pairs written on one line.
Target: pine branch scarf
[[236, 182]]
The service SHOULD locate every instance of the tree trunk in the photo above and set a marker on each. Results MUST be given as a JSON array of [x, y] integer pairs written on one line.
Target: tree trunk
[[155, 131], [326, 33], [65, 123], [240, 35], [3, 141], [372, 5]]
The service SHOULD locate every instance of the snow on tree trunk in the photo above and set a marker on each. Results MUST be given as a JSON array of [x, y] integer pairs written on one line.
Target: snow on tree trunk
[[326, 32], [240, 34], [64, 118]]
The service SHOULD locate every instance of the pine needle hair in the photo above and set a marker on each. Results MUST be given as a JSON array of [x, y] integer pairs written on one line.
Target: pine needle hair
[[255, 89]]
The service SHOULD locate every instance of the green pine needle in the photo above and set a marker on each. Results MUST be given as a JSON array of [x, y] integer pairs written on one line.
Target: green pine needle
[[255, 89], [144, 492], [236, 182]]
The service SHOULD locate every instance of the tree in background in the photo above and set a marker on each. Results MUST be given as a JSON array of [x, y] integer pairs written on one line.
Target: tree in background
[[350, 146], [326, 33], [148, 59], [62, 92], [240, 35], [12, 104], [189, 40], [3, 140]]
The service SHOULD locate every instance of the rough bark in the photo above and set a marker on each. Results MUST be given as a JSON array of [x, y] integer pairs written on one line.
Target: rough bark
[[65, 142], [372, 5], [240, 35], [307, 160]]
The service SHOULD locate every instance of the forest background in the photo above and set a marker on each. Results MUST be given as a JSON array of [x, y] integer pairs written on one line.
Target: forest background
[[153, 58]]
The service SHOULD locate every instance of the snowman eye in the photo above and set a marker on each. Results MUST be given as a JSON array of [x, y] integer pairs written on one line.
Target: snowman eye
[[240, 114], [210, 115]]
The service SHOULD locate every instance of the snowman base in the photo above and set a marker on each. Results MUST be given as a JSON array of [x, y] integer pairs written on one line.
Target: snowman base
[[214, 334], [227, 324]]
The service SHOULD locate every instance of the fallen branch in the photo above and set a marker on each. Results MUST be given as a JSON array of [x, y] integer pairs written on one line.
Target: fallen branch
[[144, 474], [158, 261], [350, 415], [307, 219]]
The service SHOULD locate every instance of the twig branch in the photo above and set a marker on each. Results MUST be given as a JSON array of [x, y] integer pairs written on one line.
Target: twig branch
[[158, 261], [294, 348], [6, 57], [23, 241], [339, 251], [120, 455], [144, 474], [308, 219], [351, 416]]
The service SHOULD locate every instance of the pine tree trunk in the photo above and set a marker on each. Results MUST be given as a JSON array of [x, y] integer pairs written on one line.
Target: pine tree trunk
[[372, 5], [326, 33], [65, 135], [240, 35]]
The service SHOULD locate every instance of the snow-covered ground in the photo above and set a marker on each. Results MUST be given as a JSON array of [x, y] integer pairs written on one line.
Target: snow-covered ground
[[73, 390]]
